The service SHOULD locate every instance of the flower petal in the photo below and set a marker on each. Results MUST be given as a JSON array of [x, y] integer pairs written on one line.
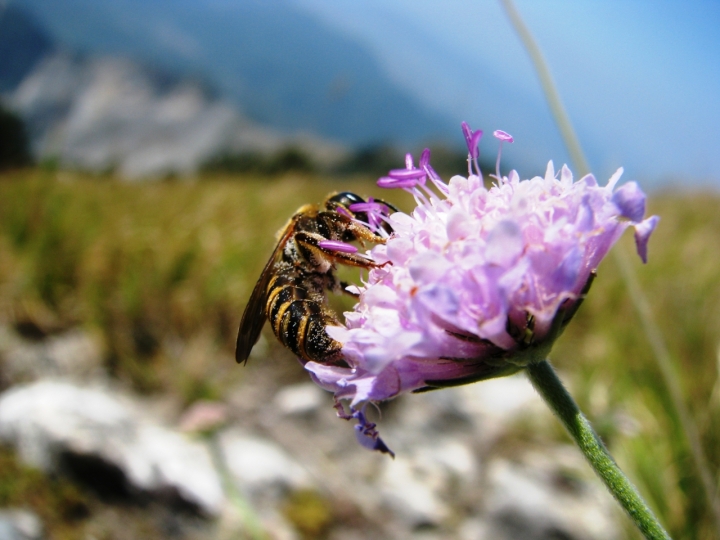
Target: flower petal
[[643, 230], [630, 199]]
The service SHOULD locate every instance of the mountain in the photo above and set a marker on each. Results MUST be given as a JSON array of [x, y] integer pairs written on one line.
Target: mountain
[[103, 112], [281, 66]]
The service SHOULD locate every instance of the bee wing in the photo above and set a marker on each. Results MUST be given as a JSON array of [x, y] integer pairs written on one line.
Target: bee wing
[[253, 318]]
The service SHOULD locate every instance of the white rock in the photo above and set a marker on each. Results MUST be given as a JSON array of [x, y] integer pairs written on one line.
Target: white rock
[[47, 417], [453, 457], [473, 529], [412, 492], [530, 501], [300, 398], [503, 398], [495, 404], [258, 464], [74, 354], [20, 524], [424, 481]]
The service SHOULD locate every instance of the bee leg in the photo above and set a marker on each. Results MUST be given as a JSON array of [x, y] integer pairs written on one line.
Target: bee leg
[[308, 244], [333, 221], [363, 234]]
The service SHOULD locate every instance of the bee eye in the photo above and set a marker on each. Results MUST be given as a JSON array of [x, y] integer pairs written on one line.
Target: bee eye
[[346, 199]]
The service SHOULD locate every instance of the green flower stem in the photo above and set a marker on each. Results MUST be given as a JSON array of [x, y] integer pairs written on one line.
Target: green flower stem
[[550, 387]]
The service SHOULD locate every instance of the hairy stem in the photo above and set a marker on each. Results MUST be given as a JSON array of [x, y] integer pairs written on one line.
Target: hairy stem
[[551, 389]]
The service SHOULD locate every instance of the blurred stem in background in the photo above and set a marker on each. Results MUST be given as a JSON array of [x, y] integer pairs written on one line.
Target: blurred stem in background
[[250, 521], [551, 94], [642, 306]]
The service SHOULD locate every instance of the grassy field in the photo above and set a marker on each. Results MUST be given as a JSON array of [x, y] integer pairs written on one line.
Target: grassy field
[[162, 271]]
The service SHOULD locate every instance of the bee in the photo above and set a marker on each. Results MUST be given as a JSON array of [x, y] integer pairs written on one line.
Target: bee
[[292, 290]]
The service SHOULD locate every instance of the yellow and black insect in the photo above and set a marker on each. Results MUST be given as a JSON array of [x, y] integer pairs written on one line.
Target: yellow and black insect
[[292, 290]]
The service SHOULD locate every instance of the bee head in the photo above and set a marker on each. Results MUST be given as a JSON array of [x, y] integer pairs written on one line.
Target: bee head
[[346, 199]]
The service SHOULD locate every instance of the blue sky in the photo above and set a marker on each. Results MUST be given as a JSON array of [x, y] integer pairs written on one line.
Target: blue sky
[[640, 79]]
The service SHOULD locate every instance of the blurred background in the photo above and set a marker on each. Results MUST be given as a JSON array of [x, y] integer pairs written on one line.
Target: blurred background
[[149, 150]]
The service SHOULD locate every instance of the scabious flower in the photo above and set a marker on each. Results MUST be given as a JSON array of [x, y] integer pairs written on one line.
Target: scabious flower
[[475, 283]]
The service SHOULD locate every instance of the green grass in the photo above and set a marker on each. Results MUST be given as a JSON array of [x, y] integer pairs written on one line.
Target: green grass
[[151, 266]]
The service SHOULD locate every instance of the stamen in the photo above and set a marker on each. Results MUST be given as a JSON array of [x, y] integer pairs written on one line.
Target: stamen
[[429, 171], [374, 210], [391, 183], [369, 206], [475, 142], [472, 139], [380, 231], [435, 179], [414, 180], [468, 133], [421, 200], [402, 174], [502, 136], [409, 161], [424, 159], [334, 245], [432, 196]]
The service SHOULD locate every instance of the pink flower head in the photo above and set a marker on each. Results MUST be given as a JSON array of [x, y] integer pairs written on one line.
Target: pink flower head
[[476, 283]]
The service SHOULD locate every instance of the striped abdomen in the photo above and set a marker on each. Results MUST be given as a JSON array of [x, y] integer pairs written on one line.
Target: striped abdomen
[[299, 320]]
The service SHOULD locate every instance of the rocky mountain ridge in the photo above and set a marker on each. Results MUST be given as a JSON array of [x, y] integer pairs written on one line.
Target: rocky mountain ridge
[[119, 106], [111, 113]]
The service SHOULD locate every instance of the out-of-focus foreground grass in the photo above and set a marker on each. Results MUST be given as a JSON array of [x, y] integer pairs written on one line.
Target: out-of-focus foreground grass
[[162, 271]]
